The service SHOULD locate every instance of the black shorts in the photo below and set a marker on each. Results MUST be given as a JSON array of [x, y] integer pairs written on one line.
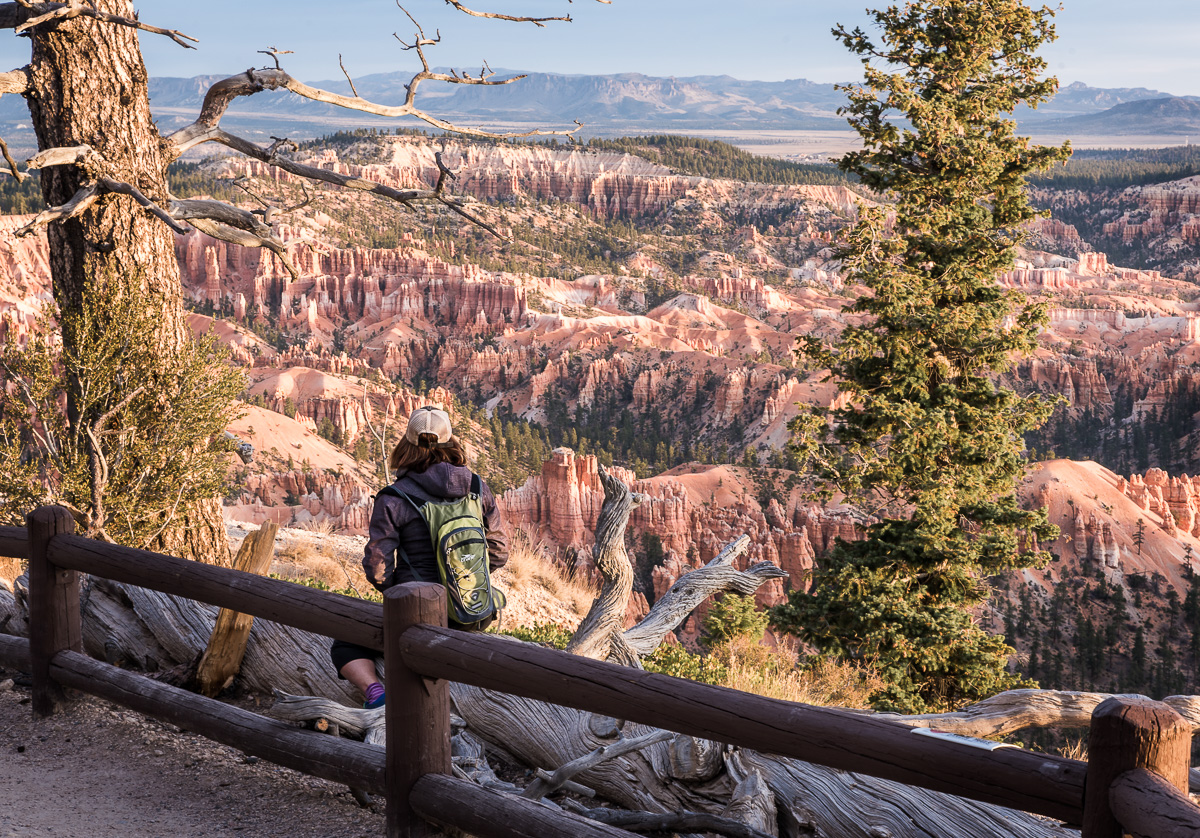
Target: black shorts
[[341, 653]]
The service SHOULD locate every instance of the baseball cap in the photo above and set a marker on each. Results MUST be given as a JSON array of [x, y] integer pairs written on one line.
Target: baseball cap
[[429, 420]]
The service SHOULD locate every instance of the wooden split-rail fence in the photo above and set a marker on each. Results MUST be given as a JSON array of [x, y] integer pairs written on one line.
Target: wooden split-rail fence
[[1134, 782]]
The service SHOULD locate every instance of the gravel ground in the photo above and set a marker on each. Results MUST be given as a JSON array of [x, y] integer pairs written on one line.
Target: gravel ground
[[99, 770]]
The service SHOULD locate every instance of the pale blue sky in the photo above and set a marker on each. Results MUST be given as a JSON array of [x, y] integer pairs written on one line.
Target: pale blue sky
[[1105, 43]]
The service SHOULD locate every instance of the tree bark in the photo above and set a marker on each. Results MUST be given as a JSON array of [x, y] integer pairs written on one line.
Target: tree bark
[[88, 86]]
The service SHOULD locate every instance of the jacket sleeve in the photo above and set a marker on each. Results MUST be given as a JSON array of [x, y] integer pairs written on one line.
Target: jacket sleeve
[[493, 522], [379, 556]]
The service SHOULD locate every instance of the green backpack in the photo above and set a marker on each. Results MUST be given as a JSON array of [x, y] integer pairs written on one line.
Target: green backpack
[[461, 551]]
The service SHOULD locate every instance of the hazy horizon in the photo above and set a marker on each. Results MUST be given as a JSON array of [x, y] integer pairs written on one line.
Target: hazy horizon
[[1102, 43]]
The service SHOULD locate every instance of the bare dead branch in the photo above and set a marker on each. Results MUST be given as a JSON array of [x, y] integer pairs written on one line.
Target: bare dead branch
[[419, 40], [405, 197], [536, 21], [691, 589], [269, 210], [241, 182], [12, 164], [673, 822], [83, 156], [540, 787], [58, 12], [599, 635], [280, 144], [231, 224], [222, 94], [80, 201], [15, 81], [353, 89], [307, 200], [92, 165], [249, 149], [567, 785], [380, 435], [132, 191], [443, 172], [275, 52]]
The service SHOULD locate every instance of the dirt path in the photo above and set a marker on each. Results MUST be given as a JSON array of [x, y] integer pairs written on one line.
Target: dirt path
[[99, 770]]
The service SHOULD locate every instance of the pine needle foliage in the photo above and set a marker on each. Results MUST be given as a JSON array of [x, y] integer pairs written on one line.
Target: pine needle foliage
[[926, 441], [108, 422]]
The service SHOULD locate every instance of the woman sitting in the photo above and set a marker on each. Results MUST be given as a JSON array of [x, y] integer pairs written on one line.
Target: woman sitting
[[430, 464]]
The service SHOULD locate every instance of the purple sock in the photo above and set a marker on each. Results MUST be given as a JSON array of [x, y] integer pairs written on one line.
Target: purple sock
[[374, 693]]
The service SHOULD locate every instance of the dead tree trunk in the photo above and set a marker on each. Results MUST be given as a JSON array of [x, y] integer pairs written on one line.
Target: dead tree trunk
[[599, 635]]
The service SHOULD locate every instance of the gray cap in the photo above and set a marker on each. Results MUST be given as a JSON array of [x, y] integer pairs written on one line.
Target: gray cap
[[429, 420]]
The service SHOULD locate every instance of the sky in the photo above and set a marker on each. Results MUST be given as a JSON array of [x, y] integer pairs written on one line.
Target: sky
[[1104, 43]]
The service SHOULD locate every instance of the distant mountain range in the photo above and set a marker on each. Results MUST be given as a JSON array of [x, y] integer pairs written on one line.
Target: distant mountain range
[[633, 103], [1172, 115]]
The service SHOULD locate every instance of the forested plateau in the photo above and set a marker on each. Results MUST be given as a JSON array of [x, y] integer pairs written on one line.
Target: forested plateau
[[640, 312]]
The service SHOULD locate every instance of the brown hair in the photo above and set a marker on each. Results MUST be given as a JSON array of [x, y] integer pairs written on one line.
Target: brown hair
[[407, 457]]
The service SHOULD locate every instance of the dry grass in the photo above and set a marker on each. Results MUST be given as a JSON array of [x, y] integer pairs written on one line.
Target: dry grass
[[531, 568], [321, 559], [324, 527], [1075, 749], [777, 673]]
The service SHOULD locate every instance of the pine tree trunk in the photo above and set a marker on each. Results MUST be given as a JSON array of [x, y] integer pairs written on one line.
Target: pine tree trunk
[[89, 87]]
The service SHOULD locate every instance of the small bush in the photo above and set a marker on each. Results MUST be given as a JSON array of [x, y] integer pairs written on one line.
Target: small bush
[[732, 617], [543, 634]]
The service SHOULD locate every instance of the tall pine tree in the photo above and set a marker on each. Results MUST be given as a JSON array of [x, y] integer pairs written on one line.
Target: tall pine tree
[[927, 442]]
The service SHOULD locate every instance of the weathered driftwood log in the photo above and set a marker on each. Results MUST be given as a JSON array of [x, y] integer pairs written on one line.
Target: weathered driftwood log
[[227, 645], [1017, 709], [599, 635], [718, 576], [551, 783]]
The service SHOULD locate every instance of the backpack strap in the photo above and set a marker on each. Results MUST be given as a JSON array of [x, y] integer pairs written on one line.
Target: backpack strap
[[400, 551], [476, 485]]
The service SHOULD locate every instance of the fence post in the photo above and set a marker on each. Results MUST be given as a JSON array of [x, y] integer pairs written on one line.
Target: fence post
[[1131, 732], [54, 623], [418, 710]]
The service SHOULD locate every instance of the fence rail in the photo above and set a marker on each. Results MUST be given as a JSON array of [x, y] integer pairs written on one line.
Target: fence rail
[[421, 655]]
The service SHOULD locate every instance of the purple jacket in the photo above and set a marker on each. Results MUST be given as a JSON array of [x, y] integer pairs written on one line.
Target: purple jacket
[[394, 521]]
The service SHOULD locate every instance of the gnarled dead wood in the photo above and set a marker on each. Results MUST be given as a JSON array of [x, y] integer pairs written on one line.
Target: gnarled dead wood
[[15, 81], [695, 759], [541, 787], [672, 822], [85, 197], [753, 801], [1016, 709], [21, 17], [691, 589], [352, 721], [536, 21], [599, 635]]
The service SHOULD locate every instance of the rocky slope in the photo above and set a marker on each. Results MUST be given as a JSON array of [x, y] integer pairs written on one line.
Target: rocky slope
[[647, 318]]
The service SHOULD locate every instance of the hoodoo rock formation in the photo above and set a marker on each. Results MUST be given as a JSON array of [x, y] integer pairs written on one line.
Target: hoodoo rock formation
[[690, 509], [1175, 500], [363, 286]]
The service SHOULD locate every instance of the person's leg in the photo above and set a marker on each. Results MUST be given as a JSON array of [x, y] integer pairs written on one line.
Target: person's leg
[[357, 665], [360, 673]]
